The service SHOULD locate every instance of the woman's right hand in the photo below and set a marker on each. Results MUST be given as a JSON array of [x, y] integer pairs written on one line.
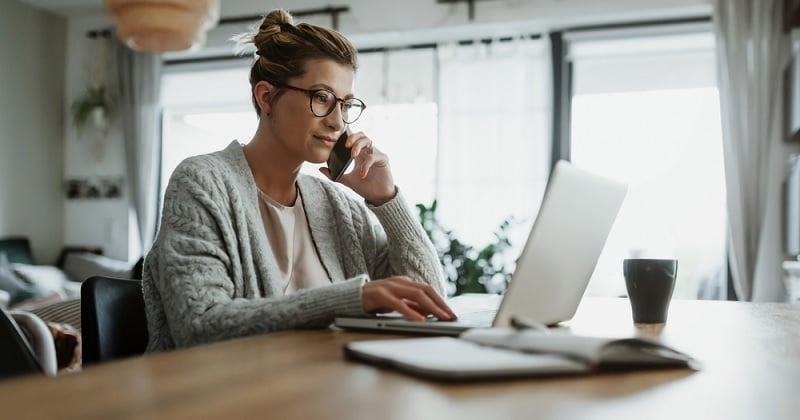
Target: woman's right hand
[[413, 300]]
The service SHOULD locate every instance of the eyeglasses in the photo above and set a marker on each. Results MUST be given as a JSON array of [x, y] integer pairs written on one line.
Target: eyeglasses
[[323, 101]]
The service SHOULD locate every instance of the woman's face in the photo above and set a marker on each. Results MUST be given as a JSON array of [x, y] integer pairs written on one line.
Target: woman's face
[[305, 136]]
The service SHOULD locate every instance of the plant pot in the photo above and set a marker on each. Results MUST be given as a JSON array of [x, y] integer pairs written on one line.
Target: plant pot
[[98, 117]]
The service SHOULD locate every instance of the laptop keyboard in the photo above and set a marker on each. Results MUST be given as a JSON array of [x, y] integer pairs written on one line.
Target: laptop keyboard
[[478, 309], [478, 318]]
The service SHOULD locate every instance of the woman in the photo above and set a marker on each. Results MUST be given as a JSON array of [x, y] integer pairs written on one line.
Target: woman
[[248, 245]]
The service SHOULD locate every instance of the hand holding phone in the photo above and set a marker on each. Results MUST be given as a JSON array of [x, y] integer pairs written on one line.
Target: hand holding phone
[[340, 157], [373, 179]]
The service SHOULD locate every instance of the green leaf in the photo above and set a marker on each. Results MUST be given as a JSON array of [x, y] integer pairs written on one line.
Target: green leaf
[[466, 268]]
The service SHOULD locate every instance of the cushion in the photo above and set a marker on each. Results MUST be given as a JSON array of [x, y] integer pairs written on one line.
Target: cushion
[[36, 302], [79, 266], [18, 290], [61, 312], [47, 277], [17, 249]]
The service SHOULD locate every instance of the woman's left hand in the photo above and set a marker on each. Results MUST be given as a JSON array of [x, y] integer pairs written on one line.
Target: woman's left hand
[[371, 176]]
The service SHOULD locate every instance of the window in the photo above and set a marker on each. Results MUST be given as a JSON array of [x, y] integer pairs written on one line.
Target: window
[[467, 125], [494, 139], [645, 110], [401, 115], [203, 111]]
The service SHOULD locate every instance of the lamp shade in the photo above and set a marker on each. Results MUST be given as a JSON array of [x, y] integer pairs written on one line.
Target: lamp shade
[[163, 25]]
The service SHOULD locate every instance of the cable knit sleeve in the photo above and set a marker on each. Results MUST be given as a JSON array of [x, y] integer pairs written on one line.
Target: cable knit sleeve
[[197, 284], [402, 246]]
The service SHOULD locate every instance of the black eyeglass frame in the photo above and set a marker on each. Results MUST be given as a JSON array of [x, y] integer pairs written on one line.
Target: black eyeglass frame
[[311, 92]]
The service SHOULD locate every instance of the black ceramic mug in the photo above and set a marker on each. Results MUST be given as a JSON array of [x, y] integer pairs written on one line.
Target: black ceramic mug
[[650, 283]]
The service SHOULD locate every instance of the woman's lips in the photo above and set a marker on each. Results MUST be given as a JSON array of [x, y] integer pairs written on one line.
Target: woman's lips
[[330, 140]]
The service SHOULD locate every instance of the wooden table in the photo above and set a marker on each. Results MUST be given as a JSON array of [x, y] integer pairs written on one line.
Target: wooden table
[[751, 354]]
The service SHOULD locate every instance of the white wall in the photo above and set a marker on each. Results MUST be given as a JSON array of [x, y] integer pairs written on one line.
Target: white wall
[[91, 222], [31, 124]]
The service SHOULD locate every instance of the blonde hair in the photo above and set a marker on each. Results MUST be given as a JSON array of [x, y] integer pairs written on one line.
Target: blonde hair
[[283, 48]]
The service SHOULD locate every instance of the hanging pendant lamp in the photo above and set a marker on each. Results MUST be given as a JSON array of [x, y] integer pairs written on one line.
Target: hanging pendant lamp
[[163, 25]]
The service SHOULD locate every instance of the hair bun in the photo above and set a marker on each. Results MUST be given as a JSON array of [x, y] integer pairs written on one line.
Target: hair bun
[[278, 17], [274, 23]]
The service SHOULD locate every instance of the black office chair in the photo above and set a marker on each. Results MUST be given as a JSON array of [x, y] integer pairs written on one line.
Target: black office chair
[[112, 318], [16, 355]]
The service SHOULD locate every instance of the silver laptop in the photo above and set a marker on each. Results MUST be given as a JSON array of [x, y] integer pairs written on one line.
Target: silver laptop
[[576, 215]]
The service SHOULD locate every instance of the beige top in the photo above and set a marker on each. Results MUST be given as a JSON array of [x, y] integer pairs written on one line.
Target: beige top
[[290, 239]]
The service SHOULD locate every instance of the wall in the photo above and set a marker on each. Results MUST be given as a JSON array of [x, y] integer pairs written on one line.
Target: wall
[[92, 222], [31, 125]]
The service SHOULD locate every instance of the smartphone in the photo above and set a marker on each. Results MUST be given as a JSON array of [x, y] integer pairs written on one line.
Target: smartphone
[[340, 158]]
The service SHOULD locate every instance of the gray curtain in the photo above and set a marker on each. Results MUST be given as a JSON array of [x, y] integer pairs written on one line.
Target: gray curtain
[[139, 84], [753, 50]]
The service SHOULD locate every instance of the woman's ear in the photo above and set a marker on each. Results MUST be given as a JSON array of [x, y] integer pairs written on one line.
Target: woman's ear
[[262, 92]]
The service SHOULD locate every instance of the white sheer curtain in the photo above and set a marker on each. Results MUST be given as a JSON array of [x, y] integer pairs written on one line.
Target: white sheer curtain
[[753, 51], [139, 84], [494, 135]]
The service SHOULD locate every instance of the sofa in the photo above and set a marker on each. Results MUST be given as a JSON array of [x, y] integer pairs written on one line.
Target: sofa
[[52, 292], [74, 265]]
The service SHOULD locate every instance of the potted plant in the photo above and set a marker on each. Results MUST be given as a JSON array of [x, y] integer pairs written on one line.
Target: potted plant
[[94, 107], [467, 269]]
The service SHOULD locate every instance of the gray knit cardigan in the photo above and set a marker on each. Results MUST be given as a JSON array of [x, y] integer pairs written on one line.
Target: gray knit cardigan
[[210, 274]]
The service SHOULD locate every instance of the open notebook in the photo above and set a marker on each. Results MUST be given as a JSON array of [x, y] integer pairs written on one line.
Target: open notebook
[[576, 215], [484, 353]]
